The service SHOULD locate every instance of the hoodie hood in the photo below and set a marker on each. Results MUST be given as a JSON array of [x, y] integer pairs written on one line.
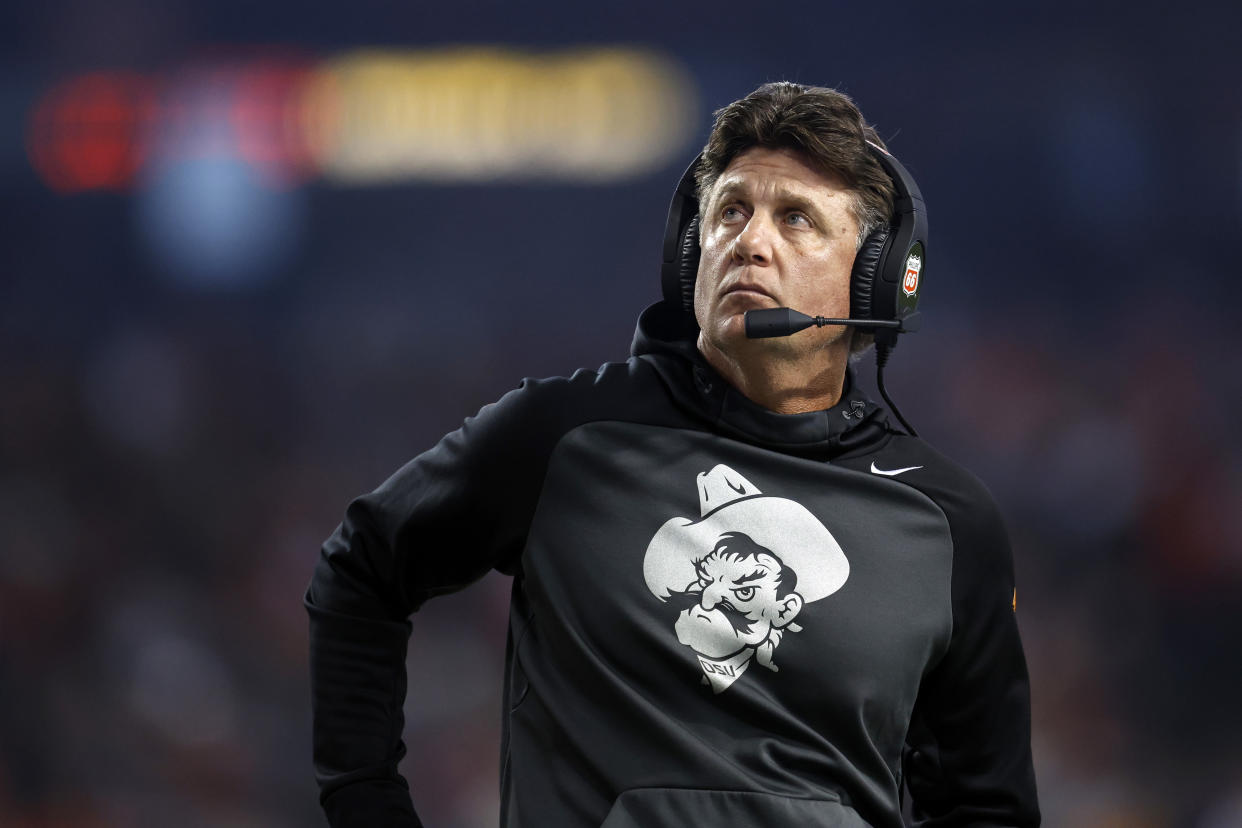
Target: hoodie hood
[[667, 337]]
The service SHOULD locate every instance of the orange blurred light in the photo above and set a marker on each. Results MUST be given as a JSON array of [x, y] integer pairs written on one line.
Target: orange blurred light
[[87, 133]]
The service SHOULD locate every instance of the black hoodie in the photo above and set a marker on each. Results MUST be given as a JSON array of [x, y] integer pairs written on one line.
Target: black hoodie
[[721, 616]]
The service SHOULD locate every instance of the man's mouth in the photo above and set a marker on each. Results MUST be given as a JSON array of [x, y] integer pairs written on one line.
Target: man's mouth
[[750, 292]]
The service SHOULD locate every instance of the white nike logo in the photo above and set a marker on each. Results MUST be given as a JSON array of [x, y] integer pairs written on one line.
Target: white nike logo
[[891, 472]]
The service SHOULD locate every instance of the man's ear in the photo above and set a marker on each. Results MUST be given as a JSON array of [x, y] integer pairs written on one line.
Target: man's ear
[[788, 609]]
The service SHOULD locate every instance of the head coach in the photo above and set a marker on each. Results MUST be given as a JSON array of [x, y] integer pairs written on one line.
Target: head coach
[[741, 596]]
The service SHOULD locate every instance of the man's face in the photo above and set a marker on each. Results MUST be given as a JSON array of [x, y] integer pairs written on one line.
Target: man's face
[[776, 232], [737, 606]]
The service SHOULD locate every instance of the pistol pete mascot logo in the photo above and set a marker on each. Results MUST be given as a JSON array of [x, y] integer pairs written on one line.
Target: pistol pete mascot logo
[[741, 573]]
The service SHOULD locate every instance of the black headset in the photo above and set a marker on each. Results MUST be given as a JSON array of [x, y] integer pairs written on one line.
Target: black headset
[[888, 268]]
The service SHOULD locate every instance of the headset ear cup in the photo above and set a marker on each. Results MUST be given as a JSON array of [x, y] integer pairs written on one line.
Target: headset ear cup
[[688, 264], [863, 277]]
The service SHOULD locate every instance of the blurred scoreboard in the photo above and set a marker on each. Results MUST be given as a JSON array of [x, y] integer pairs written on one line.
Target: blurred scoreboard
[[373, 117]]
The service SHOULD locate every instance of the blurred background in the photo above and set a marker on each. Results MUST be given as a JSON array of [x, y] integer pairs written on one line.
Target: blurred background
[[255, 256]]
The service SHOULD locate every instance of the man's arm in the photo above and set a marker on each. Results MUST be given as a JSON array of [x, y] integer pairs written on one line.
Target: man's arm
[[437, 525], [968, 752]]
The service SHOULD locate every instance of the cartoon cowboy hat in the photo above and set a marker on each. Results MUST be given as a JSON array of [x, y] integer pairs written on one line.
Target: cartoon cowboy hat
[[729, 502]]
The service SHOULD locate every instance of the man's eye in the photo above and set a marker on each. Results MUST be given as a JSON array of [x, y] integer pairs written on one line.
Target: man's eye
[[797, 218], [730, 213], [745, 593]]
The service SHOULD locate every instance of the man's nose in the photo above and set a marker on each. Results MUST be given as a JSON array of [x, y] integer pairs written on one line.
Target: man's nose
[[754, 244], [711, 597]]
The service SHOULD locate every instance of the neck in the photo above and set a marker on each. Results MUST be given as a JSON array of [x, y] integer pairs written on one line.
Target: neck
[[808, 382]]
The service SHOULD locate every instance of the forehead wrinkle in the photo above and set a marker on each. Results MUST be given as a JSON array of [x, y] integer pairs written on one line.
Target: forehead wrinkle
[[735, 186]]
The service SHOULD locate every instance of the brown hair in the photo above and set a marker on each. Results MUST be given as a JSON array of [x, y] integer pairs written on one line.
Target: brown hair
[[822, 124]]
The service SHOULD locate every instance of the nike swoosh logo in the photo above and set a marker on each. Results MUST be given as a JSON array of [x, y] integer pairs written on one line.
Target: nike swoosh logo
[[891, 472]]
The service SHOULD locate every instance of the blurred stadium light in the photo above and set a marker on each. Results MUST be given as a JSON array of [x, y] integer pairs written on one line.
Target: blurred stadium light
[[371, 116], [478, 114], [215, 222], [86, 133]]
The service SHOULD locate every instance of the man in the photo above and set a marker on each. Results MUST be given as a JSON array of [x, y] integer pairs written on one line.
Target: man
[[903, 664]]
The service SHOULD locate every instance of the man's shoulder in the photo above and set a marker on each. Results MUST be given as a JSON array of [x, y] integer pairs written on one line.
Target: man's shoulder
[[903, 455], [602, 384], [613, 390], [912, 461]]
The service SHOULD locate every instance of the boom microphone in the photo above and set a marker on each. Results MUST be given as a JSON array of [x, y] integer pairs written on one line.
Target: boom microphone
[[769, 322]]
